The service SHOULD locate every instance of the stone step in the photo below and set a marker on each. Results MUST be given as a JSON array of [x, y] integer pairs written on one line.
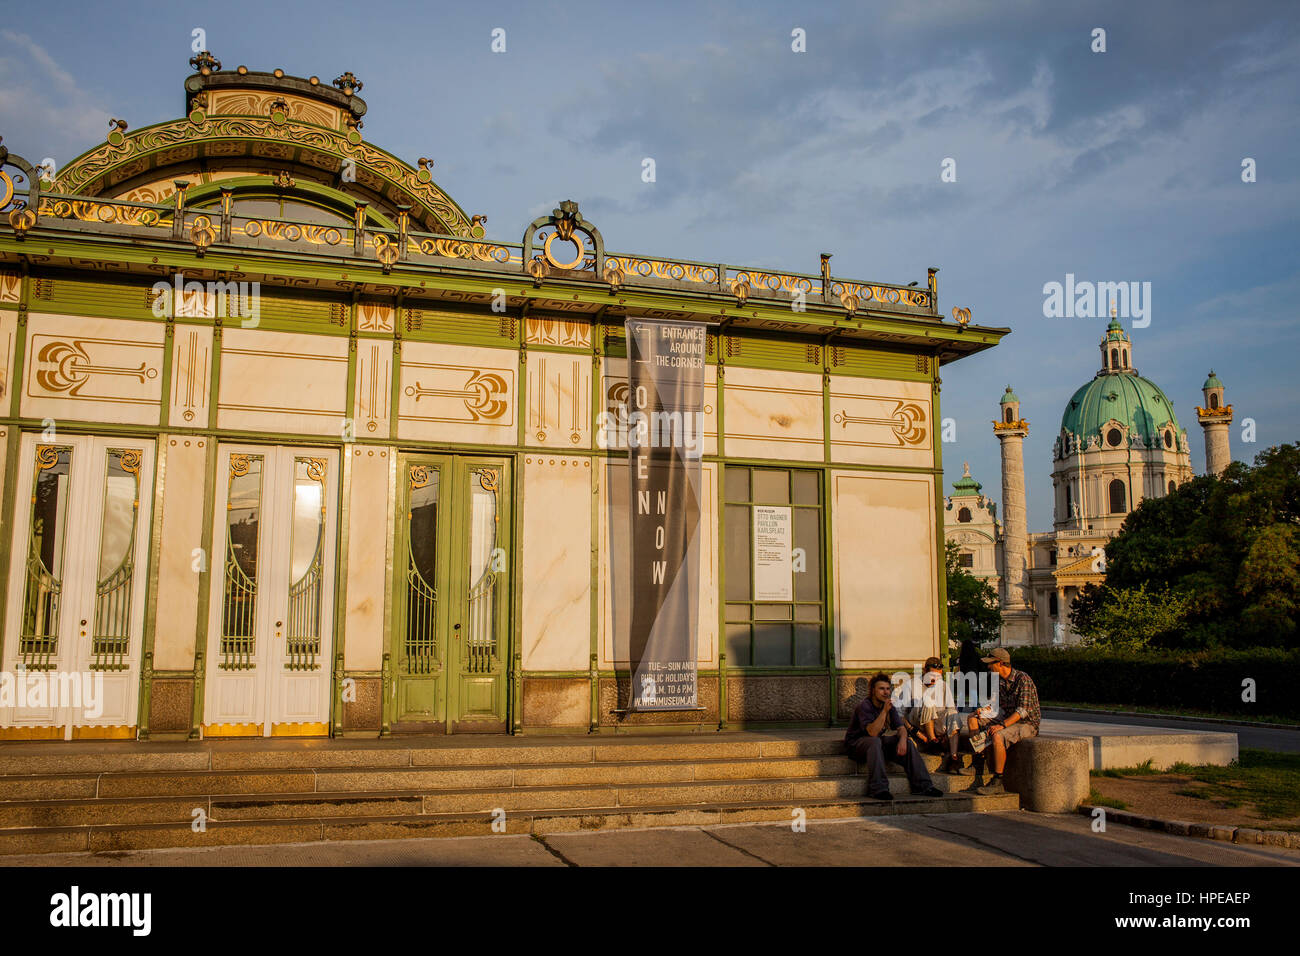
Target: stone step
[[325, 802], [142, 835], [24, 758], [15, 787]]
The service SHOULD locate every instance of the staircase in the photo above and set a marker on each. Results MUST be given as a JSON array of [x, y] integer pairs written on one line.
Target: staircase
[[68, 797]]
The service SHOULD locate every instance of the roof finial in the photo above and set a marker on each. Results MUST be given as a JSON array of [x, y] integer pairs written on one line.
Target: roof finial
[[965, 469]]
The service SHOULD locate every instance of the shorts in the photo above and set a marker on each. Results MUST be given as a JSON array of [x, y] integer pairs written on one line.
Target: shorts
[[1020, 730], [945, 719]]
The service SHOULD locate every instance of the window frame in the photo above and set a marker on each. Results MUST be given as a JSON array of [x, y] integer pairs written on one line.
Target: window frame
[[752, 621]]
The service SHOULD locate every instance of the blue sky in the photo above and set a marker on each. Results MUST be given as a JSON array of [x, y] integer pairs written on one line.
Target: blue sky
[[1115, 166]]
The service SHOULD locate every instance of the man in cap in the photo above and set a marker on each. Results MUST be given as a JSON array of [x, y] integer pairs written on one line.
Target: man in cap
[[1017, 718]]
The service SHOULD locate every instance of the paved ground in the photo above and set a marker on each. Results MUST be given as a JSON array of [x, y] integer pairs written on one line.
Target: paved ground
[[1010, 838], [1248, 736]]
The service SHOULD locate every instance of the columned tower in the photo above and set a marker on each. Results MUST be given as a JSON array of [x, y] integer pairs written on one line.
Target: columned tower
[[1017, 611], [1215, 418]]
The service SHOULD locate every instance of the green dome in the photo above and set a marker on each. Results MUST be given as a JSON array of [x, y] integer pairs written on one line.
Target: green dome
[[1125, 397], [1212, 381], [1009, 397], [966, 485]]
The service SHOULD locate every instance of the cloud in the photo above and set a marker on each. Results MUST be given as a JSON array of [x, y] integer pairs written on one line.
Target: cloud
[[43, 111]]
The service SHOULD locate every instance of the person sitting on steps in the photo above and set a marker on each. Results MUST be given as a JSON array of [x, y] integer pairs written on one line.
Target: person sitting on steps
[[867, 742], [933, 715], [1017, 718]]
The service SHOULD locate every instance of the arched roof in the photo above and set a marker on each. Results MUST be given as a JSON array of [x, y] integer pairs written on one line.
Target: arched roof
[[241, 123]]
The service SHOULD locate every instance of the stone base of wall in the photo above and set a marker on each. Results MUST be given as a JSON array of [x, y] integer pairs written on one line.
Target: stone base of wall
[[761, 699], [557, 702], [616, 692], [171, 705], [365, 713]]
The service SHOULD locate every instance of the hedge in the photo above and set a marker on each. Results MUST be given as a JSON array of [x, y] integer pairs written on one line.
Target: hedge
[[1208, 680]]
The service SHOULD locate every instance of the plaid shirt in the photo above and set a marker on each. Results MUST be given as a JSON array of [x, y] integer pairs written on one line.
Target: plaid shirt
[[1018, 694]]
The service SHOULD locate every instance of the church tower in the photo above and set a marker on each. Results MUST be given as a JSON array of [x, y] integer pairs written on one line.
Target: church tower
[[1215, 418], [1017, 612]]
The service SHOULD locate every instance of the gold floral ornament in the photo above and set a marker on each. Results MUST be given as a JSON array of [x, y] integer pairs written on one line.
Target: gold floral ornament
[[740, 289], [202, 234], [386, 252], [348, 83], [205, 63], [614, 276], [22, 220], [961, 316], [850, 302]]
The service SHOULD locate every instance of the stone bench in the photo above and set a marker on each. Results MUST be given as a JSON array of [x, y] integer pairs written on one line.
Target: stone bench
[[1049, 772]]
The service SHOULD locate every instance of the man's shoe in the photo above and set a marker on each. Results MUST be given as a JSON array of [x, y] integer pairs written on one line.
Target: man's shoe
[[975, 784], [882, 795], [993, 787], [952, 765], [928, 792]]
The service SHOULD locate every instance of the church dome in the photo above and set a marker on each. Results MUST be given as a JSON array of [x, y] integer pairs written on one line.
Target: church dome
[[1123, 397]]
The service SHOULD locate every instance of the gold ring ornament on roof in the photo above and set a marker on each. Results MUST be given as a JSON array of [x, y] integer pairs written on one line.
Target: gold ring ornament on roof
[[962, 316], [550, 257]]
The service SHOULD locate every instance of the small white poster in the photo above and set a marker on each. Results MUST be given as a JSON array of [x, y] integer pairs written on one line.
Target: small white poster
[[773, 565]]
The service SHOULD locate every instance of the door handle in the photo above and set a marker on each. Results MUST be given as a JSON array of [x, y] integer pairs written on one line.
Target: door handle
[[83, 622], [457, 630]]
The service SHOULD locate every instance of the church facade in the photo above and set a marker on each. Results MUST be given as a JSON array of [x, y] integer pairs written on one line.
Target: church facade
[[1119, 442], [288, 447]]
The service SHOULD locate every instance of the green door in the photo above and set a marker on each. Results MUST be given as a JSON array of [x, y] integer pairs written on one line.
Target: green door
[[451, 606]]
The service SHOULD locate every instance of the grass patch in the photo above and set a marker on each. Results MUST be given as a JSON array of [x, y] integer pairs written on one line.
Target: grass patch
[[1176, 712], [1097, 800], [1144, 769], [1270, 781]]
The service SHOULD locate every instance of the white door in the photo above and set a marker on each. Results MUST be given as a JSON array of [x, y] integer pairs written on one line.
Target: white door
[[74, 618], [271, 624]]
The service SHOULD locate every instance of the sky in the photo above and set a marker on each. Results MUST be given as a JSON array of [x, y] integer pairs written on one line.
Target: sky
[[1122, 165]]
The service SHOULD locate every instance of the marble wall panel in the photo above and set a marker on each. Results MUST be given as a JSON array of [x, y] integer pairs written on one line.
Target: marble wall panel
[[283, 382], [457, 393], [771, 414], [885, 571], [881, 422], [86, 369], [556, 578], [559, 400]]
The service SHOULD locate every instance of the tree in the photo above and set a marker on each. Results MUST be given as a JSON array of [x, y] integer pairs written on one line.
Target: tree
[[1225, 550], [973, 609], [1128, 619]]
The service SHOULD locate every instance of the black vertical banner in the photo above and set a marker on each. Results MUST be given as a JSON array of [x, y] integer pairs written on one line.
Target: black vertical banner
[[665, 441]]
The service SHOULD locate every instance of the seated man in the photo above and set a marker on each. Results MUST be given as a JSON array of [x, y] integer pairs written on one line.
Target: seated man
[[1016, 718], [933, 715], [866, 741]]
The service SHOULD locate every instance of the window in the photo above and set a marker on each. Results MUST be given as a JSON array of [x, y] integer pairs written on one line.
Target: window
[[1169, 439], [1053, 606], [966, 560], [771, 623], [1051, 558], [1214, 401], [1114, 437], [1069, 502], [963, 515], [1117, 497], [1171, 487]]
